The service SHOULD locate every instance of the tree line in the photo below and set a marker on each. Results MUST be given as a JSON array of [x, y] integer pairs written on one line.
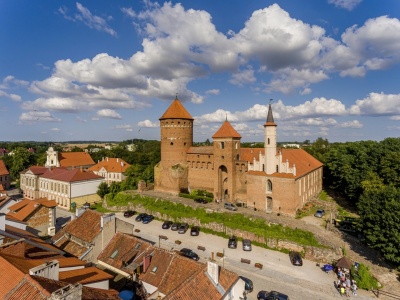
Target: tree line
[[367, 174]]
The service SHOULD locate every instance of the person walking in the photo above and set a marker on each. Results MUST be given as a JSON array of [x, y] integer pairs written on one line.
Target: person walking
[[354, 288]]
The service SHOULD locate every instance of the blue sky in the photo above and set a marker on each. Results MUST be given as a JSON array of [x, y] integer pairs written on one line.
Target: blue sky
[[107, 70]]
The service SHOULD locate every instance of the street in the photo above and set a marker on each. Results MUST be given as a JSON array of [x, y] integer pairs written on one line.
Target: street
[[305, 282]]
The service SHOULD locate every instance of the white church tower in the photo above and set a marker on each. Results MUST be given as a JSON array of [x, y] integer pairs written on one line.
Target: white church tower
[[271, 165], [52, 158]]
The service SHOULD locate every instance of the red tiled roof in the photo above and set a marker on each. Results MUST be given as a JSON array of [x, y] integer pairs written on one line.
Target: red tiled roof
[[200, 286], [176, 111], [226, 131], [70, 247], [304, 161], [3, 168], [21, 263], [162, 260], [249, 154], [10, 276], [179, 269], [32, 250], [24, 208], [123, 252], [84, 276], [75, 159], [201, 150], [115, 165], [36, 170], [74, 175], [28, 289], [86, 227]]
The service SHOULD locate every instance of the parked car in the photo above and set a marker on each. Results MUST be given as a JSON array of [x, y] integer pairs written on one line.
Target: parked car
[[295, 258], [246, 245], [272, 295], [175, 226], [140, 217], [195, 230], [183, 228], [248, 284], [201, 200], [166, 224], [189, 253], [319, 213], [129, 213], [232, 242], [147, 219], [230, 206]]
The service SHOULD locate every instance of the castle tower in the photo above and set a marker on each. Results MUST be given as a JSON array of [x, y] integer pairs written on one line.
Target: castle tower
[[226, 153], [270, 143], [176, 126]]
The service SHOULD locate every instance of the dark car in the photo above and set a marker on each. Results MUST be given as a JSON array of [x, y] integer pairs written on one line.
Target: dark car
[[201, 200], [232, 242], [246, 245], [140, 217], [272, 295], [129, 213], [189, 253], [175, 226], [248, 284], [183, 228], [195, 230], [319, 213], [295, 258], [147, 219], [166, 224]]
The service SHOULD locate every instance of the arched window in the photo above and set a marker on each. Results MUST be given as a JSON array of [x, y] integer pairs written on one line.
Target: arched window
[[269, 185], [268, 141]]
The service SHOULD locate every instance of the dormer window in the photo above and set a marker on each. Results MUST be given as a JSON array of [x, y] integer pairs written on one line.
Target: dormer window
[[154, 269], [138, 246]]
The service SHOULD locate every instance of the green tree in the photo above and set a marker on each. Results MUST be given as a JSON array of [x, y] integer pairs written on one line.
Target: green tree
[[21, 160], [103, 189], [379, 208]]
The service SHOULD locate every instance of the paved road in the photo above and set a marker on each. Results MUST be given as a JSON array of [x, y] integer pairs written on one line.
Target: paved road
[[306, 282]]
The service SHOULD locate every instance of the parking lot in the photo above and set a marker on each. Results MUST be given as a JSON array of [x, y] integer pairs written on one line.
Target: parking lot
[[277, 273]]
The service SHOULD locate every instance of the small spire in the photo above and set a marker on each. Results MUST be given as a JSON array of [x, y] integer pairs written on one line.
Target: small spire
[[270, 118], [176, 96], [226, 117]]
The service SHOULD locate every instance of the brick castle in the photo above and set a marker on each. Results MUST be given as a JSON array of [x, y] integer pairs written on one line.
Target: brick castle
[[270, 179]]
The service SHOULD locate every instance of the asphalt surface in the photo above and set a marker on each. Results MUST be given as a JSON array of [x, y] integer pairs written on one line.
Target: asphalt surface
[[305, 282]]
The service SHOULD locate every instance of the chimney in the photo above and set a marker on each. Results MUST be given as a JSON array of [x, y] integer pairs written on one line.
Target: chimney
[[213, 271], [117, 159], [71, 291]]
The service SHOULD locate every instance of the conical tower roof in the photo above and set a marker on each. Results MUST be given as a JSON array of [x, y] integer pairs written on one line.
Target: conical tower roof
[[270, 117], [226, 131], [176, 111]]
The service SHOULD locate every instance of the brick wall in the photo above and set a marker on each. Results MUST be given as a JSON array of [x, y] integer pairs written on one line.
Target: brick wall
[[39, 218]]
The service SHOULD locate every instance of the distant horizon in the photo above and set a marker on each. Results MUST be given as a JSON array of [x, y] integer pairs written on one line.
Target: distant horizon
[[108, 70]]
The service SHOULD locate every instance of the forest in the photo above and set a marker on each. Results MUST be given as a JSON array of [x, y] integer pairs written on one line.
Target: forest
[[365, 173]]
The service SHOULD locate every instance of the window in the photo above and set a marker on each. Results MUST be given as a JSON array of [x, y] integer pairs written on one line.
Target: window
[[268, 141], [269, 186], [154, 269], [114, 254], [138, 246], [222, 145], [277, 169]]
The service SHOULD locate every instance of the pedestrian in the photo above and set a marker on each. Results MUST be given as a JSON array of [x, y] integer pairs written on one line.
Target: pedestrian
[[354, 288], [347, 291], [342, 291]]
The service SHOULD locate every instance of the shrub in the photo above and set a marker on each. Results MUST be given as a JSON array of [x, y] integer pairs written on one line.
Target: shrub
[[364, 278]]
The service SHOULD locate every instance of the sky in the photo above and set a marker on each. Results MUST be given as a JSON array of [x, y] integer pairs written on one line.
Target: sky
[[107, 70]]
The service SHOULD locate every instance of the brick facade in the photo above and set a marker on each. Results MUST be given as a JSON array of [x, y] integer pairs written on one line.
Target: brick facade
[[268, 179]]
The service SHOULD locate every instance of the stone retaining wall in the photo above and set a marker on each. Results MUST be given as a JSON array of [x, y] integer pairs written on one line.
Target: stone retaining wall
[[320, 255]]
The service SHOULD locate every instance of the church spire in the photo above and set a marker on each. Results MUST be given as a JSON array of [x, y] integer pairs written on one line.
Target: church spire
[[270, 117]]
